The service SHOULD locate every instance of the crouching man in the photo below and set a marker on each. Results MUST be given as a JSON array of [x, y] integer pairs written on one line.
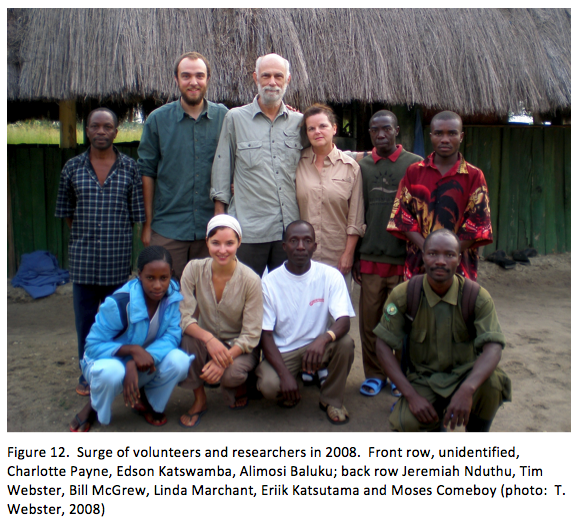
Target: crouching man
[[450, 373], [298, 298]]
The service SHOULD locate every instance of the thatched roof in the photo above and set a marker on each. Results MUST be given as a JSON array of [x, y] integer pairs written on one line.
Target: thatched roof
[[468, 60]]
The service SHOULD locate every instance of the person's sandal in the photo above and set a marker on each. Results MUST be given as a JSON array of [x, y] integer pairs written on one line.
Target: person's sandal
[[83, 389]]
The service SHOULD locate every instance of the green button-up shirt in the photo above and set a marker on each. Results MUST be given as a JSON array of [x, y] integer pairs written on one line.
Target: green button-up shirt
[[441, 351], [261, 157], [178, 151]]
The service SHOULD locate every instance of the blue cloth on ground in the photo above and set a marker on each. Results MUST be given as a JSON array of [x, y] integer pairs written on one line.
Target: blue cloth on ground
[[39, 274]]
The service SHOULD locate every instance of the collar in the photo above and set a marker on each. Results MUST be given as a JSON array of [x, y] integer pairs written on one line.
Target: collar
[[433, 298], [459, 168], [115, 150], [334, 156], [181, 114], [256, 108], [393, 157]]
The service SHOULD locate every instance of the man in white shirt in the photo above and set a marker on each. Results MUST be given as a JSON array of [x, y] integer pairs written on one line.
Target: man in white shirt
[[298, 298]]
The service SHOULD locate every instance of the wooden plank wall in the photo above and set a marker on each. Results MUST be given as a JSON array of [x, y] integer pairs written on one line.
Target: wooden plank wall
[[528, 175], [527, 171]]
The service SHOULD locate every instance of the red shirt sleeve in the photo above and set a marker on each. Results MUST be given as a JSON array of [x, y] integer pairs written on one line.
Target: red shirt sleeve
[[403, 218], [477, 216]]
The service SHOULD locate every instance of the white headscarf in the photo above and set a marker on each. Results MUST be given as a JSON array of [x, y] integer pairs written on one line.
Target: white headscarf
[[224, 220]]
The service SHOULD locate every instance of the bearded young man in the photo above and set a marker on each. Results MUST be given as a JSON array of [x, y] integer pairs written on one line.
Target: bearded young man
[[175, 159], [258, 152]]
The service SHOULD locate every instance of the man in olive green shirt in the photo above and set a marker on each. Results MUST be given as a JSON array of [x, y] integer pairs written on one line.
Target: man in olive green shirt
[[452, 377]]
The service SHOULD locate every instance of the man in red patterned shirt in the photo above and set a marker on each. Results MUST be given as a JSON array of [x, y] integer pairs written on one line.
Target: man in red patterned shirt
[[443, 191]]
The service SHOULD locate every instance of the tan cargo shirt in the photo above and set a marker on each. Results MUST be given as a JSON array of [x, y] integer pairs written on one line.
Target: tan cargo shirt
[[332, 201]]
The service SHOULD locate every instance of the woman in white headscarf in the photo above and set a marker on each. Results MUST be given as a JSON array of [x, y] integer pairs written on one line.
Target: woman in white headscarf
[[222, 314]]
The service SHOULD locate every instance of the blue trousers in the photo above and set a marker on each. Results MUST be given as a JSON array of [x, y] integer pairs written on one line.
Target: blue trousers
[[86, 301], [106, 380]]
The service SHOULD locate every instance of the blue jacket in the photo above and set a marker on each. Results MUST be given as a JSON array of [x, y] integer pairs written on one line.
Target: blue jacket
[[103, 341]]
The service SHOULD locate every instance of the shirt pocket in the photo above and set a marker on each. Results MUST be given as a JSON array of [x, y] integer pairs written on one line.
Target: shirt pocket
[[342, 187], [464, 351], [292, 149], [249, 153], [418, 346]]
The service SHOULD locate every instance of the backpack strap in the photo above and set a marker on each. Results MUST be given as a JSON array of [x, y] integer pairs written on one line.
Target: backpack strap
[[468, 300], [413, 296], [122, 300]]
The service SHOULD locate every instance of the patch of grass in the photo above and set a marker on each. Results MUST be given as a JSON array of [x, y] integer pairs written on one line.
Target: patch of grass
[[47, 132], [64, 404]]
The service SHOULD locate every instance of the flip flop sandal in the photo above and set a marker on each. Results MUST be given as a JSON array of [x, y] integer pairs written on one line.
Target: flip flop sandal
[[152, 420], [376, 384], [199, 414], [88, 422], [530, 252], [83, 389], [139, 408], [394, 391], [240, 407], [333, 412]]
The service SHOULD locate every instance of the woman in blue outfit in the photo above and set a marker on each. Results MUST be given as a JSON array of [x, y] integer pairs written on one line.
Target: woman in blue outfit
[[133, 347]]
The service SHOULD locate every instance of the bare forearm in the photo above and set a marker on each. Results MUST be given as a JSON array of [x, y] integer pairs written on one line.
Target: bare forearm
[[391, 367], [128, 350], [416, 238], [340, 327], [272, 354], [483, 367], [351, 243], [219, 207], [195, 331], [467, 244], [148, 186], [69, 222]]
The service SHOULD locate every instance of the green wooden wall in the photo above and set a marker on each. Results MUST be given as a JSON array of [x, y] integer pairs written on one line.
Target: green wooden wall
[[33, 177], [528, 175], [527, 171]]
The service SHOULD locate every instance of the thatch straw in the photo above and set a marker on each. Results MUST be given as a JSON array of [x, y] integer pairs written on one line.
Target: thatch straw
[[468, 60]]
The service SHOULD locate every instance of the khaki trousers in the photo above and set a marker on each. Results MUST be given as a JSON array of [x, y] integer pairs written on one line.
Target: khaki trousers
[[374, 293], [182, 252], [338, 358], [235, 374]]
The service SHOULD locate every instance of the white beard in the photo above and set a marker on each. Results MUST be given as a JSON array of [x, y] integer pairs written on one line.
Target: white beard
[[272, 96]]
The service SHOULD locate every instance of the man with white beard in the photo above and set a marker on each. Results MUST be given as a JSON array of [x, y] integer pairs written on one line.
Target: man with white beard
[[258, 152]]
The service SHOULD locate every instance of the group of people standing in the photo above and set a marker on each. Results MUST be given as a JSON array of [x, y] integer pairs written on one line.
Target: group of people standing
[[265, 222]]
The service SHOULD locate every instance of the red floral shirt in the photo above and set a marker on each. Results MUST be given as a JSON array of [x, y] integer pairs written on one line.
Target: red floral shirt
[[457, 200]]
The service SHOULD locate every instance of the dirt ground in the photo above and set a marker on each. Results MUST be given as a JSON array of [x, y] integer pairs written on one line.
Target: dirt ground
[[533, 305]]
